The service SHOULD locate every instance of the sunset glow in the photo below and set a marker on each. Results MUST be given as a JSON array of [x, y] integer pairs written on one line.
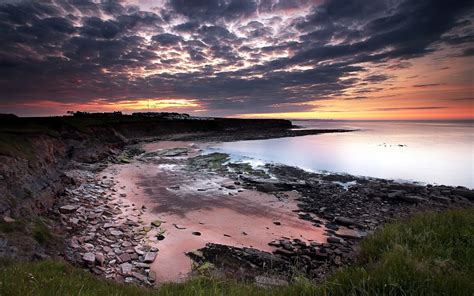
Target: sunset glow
[[285, 59]]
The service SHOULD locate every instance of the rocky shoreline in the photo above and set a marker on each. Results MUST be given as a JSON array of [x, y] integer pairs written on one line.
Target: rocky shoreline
[[348, 207], [109, 236], [98, 224]]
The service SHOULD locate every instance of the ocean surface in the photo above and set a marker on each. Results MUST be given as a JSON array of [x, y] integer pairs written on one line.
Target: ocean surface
[[428, 152]]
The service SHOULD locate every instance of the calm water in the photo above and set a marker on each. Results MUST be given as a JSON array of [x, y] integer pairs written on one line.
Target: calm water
[[427, 152]]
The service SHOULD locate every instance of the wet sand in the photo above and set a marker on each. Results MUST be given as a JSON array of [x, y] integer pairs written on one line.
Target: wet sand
[[237, 217]]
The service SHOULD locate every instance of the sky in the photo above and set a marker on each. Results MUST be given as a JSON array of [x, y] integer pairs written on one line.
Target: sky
[[323, 59]]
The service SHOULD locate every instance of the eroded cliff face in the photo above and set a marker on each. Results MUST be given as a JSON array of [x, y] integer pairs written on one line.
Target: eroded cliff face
[[31, 180]]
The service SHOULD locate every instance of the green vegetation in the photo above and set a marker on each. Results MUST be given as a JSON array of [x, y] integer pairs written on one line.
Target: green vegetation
[[431, 254], [41, 232], [213, 161]]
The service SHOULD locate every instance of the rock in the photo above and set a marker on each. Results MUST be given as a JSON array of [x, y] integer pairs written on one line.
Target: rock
[[138, 250], [411, 198], [346, 221], [466, 193], [320, 254], [395, 194], [116, 232], [274, 243], [156, 223], [440, 198], [124, 257], [174, 187], [99, 257], [197, 233], [8, 219], [149, 257], [231, 187], [89, 257], [173, 152], [126, 268], [277, 222], [68, 209], [110, 225], [139, 276], [267, 282], [123, 195], [284, 252], [151, 276], [267, 187], [333, 240], [348, 233]]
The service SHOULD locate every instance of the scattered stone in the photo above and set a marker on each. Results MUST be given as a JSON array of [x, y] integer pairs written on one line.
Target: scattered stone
[[333, 240], [197, 233], [156, 223], [139, 276], [277, 222], [68, 209], [89, 257], [149, 257], [99, 257], [411, 198], [124, 257], [8, 219], [126, 268]]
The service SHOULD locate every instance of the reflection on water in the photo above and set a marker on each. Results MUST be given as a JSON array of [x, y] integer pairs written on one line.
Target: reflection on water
[[428, 152]]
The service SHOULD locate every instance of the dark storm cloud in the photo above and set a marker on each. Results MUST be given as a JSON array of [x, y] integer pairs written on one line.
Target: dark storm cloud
[[212, 10], [427, 85], [231, 55], [409, 108]]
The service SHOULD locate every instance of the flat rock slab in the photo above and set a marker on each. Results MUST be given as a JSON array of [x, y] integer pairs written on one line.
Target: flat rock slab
[[89, 257], [149, 257], [68, 209], [126, 268]]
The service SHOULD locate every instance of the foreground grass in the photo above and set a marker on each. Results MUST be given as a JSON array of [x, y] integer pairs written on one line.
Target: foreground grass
[[431, 254]]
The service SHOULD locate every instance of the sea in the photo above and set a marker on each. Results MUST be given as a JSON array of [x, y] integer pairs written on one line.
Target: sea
[[426, 152]]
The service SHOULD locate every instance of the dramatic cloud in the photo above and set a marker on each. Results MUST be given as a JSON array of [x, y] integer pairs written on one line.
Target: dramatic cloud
[[226, 56]]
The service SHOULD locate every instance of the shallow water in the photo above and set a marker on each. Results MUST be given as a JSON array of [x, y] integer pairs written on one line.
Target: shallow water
[[427, 152]]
